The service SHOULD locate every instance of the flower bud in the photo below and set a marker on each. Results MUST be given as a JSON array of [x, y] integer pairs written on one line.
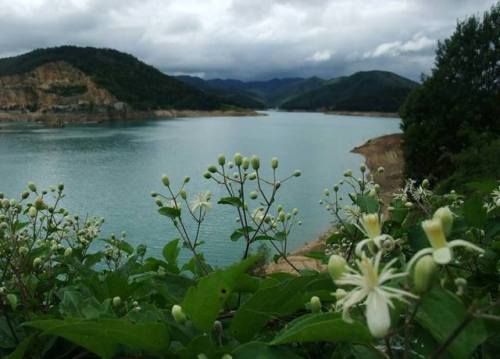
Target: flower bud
[[274, 163], [32, 212], [60, 187], [178, 314], [23, 250], [230, 164], [299, 223], [68, 251], [282, 216], [252, 176], [461, 284], [446, 216], [423, 274], [253, 195], [32, 186], [238, 159], [165, 180], [381, 170], [326, 192], [12, 300], [221, 159], [5, 204], [362, 168], [277, 184], [297, 173], [117, 301], [315, 304], [37, 261], [25, 194], [340, 293], [372, 193], [187, 179], [409, 205], [348, 173], [336, 266], [425, 183], [212, 169], [158, 202], [295, 211], [183, 194], [245, 163], [255, 162], [207, 175], [336, 188]]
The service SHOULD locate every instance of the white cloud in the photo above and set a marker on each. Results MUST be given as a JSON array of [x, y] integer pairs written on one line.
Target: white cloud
[[320, 56], [247, 39]]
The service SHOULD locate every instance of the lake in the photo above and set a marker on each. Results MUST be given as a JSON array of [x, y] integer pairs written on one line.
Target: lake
[[110, 169]]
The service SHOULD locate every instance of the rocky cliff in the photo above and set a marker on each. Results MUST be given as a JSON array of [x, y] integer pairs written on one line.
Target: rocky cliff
[[54, 92]]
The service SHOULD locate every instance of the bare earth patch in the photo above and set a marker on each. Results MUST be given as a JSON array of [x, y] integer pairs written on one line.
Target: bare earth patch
[[385, 151]]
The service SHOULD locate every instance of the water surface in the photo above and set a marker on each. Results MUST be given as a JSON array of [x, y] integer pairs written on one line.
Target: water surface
[[110, 169]]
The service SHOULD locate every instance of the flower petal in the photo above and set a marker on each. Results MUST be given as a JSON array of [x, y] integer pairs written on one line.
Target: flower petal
[[442, 255], [377, 314]]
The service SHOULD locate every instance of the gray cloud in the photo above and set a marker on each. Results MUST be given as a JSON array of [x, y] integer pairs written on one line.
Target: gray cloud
[[246, 39]]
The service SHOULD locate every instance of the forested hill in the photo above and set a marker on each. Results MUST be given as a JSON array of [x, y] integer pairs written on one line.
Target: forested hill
[[363, 91], [130, 80]]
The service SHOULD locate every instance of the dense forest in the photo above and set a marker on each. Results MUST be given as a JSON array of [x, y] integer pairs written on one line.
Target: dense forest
[[451, 123], [132, 81]]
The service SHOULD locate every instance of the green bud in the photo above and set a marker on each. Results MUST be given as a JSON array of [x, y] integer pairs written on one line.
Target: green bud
[[246, 163], [207, 175], [32, 186], [446, 216], [423, 274], [5, 203], [117, 301], [425, 183], [326, 192], [274, 163], [297, 173], [60, 187], [12, 300], [315, 304], [230, 164], [212, 169], [381, 170], [336, 266], [238, 159], [32, 212], [255, 162], [253, 195], [183, 194], [362, 168], [348, 173], [23, 250], [158, 202], [187, 179], [25, 194], [153, 194], [295, 211], [221, 159], [68, 251], [178, 314], [252, 176], [277, 184], [282, 216], [37, 261], [336, 188], [165, 180]]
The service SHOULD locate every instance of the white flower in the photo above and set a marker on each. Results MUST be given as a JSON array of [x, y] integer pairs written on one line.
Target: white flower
[[371, 289], [371, 227], [352, 213], [201, 201], [440, 249], [496, 195]]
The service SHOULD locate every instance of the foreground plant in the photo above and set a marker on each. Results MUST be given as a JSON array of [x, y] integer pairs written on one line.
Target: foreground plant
[[66, 292]]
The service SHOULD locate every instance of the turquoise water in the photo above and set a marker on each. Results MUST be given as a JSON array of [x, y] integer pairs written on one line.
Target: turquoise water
[[110, 169]]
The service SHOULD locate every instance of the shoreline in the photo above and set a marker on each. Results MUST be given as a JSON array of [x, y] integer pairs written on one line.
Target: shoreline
[[364, 113], [59, 119], [384, 151]]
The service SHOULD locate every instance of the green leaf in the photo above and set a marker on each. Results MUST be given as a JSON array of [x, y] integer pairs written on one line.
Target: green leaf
[[264, 238], [474, 213], [441, 313], [233, 201], [170, 212], [323, 327], [21, 349], [171, 252], [268, 303], [203, 303], [240, 232], [367, 204], [105, 336], [259, 350]]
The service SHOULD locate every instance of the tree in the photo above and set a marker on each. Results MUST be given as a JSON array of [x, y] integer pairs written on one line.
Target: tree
[[458, 106]]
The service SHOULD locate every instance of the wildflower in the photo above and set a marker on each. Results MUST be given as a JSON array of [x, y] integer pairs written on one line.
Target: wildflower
[[446, 216], [440, 249], [178, 314], [370, 288], [201, 201], [315, 304]]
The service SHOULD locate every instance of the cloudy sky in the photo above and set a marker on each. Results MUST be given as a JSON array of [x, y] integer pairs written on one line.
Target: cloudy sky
[[244, 39]]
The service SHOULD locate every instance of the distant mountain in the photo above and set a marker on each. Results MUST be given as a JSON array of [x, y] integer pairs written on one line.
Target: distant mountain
[[363, 91], [269, 94], [64, 77]]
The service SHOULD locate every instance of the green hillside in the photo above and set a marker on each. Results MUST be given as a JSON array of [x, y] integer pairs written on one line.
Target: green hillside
[[362, 91], [130, 80]]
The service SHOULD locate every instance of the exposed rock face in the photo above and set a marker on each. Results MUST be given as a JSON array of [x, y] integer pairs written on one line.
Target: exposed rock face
[[58, 92]]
